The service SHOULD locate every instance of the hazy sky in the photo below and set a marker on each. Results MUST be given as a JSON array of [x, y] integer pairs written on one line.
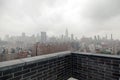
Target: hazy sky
[[81, 17]]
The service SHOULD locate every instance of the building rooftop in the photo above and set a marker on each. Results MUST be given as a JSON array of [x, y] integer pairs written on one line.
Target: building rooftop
[[72, 79], [62, 66]]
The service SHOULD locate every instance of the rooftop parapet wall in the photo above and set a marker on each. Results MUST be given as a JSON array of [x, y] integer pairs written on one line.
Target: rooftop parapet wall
[[89, 66], [61, 66], [54, 66]]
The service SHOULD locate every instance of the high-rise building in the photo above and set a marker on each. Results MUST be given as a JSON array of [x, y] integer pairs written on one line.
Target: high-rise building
[[66, 33], [7, 37], [23, 34], [72, 37], [37, 38], [111, 37], [106, 36], [95, 38], [98, 37], [43, 37]]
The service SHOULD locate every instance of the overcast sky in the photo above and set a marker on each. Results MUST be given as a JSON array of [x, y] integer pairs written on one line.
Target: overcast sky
[[81, 17]]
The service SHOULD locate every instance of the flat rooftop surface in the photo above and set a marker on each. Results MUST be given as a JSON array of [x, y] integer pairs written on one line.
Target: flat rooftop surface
[[72, 79]]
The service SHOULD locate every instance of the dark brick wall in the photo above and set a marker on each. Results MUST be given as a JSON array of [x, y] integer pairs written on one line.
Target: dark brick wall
[[91, 67], [55, 68], [62, 67]]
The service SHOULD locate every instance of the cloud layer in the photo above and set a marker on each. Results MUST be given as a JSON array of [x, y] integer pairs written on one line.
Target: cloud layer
[[81, 17]]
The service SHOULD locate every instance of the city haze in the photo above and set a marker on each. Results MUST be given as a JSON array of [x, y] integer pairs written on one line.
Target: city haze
[[58, 39], [81, 17]]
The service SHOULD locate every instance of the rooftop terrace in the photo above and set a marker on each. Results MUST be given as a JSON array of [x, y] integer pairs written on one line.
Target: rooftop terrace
[[62, 66]]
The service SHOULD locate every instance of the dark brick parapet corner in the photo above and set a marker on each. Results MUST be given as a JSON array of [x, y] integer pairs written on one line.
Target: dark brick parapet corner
[[61, 66]]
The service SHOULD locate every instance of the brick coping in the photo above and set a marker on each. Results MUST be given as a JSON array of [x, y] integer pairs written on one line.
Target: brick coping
[[21, 62]]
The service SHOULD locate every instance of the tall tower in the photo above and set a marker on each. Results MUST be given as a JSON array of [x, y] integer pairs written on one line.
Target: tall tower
[[106, 36], [95, 38], [98, 37], [23, 34], [72, 37], [111, 37], [66, 33], [43, 37]]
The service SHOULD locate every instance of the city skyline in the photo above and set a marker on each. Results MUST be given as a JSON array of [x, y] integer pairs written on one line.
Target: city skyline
[[59, 40], [81, 17], [66, 34]]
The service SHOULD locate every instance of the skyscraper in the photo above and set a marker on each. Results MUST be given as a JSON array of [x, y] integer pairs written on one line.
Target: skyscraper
[[95, 38], [72, 37], [106, 36], [43, 37], [66, 33], [98, 37], [23, 34], [111, 37]]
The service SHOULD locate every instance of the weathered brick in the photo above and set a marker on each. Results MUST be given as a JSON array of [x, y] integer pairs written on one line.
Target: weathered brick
[[80, 66], [0, 73], [29, 74], [21, 72], [16, 78], [13, 70], [6, 77]]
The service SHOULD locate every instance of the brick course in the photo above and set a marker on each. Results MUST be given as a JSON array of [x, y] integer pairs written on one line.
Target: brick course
[[92, 67], [64, 66]]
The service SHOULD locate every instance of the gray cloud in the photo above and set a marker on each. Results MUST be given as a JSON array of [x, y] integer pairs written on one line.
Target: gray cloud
[[104, 9], [81, 17]]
